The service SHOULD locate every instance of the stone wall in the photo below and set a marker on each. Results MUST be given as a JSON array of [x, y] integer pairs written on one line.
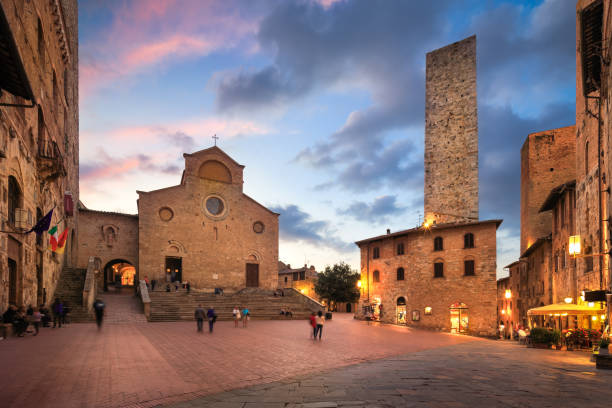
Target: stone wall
[[564, 266], [592, 164], [420, 288], [47, 43], [109, 237], [451, 133], [214, 248], [547, 160]]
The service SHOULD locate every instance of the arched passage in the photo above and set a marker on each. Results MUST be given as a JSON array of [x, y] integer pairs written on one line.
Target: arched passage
[[119, 273], [400, 311]]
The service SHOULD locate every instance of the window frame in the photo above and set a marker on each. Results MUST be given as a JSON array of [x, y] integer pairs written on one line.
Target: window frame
[[467, 262], [400, 274], [376, 276], [438, 244], [375, 253], [436, 274]]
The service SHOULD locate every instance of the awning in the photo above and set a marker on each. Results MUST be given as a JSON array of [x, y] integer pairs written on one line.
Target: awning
[[563, 308], [12, 74]]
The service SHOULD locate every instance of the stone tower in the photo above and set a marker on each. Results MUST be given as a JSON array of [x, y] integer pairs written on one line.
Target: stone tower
[[451, 134]]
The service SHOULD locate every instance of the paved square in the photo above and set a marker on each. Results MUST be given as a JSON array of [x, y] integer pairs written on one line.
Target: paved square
[[164, 362], [275, 364]]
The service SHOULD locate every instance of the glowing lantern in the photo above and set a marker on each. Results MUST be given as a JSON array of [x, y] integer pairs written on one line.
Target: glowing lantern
[[574, 245], [594, 318], [428, 310], [591, 304], [358, 284], [503, 311], [568, 300], [508, 293]]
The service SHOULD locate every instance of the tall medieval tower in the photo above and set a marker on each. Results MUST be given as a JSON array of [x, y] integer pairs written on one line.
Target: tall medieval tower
[[451, 134]]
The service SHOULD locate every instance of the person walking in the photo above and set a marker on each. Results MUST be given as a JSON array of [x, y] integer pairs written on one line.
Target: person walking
[[236, 315], [199, 316], [212, 318], [245, 316], [313, 325], [58, 311], [99, 309], [36, 319], [320, 319]]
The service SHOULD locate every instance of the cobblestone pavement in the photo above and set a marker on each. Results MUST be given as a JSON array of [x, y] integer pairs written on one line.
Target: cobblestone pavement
[[145, 365], [474, 374]]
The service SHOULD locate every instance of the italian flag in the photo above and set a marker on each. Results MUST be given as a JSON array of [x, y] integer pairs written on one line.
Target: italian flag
[[57, 244]]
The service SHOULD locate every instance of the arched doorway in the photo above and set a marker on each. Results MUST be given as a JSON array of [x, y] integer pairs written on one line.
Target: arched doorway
[[400, 310], [348, 308], [459, 317], [119, 273]]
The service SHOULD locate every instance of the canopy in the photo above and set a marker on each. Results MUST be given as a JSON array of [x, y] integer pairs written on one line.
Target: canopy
[[562, 308]]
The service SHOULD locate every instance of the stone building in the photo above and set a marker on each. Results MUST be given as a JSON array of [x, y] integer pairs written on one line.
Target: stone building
[[301, 279], [593, 74], [204, 230], [451, 133], [547, 160], [440, 275], [39, 145], [112, 237]]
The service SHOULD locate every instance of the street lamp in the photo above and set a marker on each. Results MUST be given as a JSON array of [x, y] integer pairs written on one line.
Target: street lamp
[[568, 300], [574, 245], [508, 293]]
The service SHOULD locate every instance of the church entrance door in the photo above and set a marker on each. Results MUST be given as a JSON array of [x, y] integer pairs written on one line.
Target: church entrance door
[[174, 267], [14, 252], [252, 275]]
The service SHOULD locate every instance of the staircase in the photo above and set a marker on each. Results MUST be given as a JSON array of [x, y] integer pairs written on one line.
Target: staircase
[[262, 305], [70, 290], [122, 307]]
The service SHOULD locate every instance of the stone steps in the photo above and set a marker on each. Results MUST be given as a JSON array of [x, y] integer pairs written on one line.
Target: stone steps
[[172, 306], [70, 290]]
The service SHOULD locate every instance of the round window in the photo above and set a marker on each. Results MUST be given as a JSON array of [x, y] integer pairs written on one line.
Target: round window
[[258, 227], [215, 206], [166, 214]]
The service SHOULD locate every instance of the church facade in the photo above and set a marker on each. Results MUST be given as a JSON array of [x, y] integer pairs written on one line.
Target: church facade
[[204, 231]]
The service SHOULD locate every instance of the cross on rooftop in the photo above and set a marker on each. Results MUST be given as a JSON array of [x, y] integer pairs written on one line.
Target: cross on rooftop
[[215, 137]]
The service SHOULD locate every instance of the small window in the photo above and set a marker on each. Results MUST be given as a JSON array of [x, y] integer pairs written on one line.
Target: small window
[[468, 266], [295, 276], [14, 198], [376, 253], [468, 240], [376, 276], [302, 275], [438, 244], [400, 274], [285, 279], [438, 270], [400, 248]]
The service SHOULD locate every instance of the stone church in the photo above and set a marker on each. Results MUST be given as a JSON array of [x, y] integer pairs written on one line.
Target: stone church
[[204, 230], [442, 274]]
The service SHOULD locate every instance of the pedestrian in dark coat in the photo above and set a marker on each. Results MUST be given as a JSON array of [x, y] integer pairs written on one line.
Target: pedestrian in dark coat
[[212, 318], [199, 316], [99, 309], [58, 312]]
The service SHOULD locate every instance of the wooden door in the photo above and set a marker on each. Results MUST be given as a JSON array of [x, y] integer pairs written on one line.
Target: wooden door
[[14, 252], [252, 275]]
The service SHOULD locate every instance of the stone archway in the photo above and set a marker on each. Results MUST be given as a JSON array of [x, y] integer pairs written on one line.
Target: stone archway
[[119, 273]]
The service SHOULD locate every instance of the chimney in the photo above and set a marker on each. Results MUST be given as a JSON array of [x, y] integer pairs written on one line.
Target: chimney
[[388, 231]]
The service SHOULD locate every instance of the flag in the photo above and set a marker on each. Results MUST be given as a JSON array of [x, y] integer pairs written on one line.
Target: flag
[[61, 242], [43, 224], [53, 239]]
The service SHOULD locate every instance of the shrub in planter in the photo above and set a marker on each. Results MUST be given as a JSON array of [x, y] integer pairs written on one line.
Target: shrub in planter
[[542, 336]]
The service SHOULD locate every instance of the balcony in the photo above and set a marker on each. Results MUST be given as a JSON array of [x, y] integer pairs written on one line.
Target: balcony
[[50, 162]]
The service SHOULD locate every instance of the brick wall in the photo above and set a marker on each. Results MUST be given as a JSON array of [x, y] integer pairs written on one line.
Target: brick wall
[[547, 160], [420, 289], [451, 133], [109, 237], [22, 133]]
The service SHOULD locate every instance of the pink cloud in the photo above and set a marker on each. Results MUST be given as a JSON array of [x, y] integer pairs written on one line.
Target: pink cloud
[[147, 34]]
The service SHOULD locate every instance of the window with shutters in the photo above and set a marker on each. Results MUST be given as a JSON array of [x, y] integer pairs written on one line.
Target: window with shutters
[[468, 267], [376, 276], [400, 248], [468, 240], [400, 274], [376, 253], [591, 23]]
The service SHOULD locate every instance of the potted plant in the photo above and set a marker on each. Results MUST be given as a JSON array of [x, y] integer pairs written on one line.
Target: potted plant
[[603, 346], [555, 338], [541, 337]]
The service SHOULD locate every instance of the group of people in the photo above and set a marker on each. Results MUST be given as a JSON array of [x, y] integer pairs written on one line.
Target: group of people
[[286, 312], [317, 321], [21, 318], [211, 316]]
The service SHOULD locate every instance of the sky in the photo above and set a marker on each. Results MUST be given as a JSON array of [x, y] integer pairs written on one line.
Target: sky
[[321, 100]]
